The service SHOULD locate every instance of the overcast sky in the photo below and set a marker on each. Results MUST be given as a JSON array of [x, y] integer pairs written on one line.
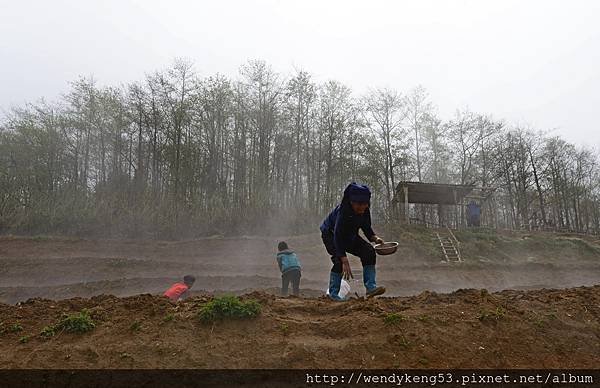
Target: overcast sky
[[534, 63]]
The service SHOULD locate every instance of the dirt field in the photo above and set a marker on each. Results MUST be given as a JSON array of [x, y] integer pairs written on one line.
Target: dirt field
[[468, 328], [58, 268], [521, 327]]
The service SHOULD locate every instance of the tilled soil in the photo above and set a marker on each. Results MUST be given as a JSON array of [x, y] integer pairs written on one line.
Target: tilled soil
[[59, 268], [465, 329], [434, 315]]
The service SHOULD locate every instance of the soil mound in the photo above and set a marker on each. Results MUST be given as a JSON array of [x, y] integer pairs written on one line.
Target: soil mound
[[469, 328]]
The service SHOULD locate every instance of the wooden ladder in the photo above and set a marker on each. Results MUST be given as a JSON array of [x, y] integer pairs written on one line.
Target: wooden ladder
[[450, 247]]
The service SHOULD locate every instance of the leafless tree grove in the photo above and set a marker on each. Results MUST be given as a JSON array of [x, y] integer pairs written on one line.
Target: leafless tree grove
[[178, 155]]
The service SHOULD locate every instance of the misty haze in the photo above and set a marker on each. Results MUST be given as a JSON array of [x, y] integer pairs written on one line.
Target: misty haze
[[299, 185]]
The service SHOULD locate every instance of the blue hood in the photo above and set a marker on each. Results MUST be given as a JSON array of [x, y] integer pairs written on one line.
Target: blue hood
[[357, 193]]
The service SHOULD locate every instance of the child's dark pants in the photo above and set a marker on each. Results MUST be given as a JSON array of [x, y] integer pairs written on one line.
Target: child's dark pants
[[293, 276]]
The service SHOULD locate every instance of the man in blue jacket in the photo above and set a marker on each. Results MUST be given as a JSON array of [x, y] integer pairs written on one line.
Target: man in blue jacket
[[473, 214], [339, 232]]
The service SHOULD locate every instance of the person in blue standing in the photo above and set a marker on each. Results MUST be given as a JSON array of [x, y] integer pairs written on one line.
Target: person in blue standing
[[289, 265], [473, 214], [339, 232]]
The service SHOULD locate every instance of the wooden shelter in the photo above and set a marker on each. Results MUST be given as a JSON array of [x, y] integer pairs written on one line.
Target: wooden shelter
[[439, 194]]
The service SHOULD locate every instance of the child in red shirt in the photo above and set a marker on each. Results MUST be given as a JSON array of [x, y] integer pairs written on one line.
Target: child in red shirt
[[180, 291]]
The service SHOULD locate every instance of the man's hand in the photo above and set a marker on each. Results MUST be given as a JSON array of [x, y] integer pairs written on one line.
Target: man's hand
[[346, 270], [377, 240]]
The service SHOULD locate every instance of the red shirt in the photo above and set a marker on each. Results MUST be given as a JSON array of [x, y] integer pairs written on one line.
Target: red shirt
[[176, 291]]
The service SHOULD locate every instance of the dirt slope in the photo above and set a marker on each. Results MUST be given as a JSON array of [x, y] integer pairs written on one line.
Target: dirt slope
[[467, 328]]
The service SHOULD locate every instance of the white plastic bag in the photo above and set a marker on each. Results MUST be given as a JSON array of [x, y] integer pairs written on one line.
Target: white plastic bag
[[344, 289]]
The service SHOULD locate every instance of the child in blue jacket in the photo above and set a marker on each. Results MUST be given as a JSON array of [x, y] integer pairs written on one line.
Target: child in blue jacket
[[289, 265]]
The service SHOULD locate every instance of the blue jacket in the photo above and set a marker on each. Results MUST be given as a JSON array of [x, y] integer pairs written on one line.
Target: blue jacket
[[473, 209], [344, 224], [287, 261]]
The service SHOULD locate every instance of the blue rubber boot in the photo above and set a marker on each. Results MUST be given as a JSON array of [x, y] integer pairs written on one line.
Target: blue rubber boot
[[370, 282], [335, 282]]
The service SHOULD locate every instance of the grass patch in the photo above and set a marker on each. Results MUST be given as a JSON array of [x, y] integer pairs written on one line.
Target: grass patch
[[136, 326], [552, 316], [229, 307], [403, 342], [583, 247], [285, 328], [399, 340], [80, 322], [495, 315], [14, 328], [539, 322], [48, 331], [478, 235], [393, 318], [24, 339], [169, 318]]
